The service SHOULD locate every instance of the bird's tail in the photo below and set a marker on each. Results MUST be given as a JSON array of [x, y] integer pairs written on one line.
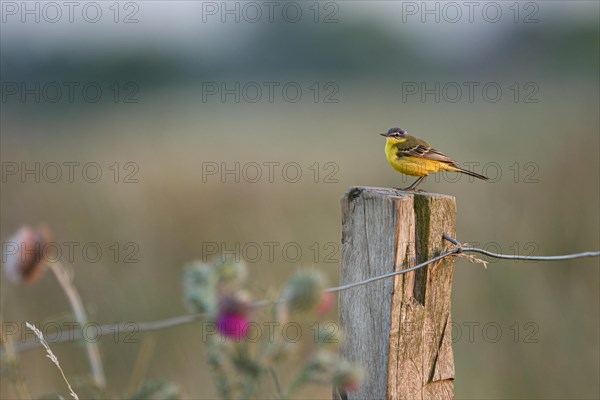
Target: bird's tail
[[471, 173]]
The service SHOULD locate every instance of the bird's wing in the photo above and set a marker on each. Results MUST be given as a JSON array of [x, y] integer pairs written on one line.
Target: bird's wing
[[423, 150]]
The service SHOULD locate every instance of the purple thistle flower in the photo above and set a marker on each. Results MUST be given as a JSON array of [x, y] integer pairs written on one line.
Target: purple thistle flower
[[233, 325], [232, 318]]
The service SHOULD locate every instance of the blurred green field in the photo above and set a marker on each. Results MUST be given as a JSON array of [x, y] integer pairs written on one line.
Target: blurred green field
[[173, 216], [547, 200]]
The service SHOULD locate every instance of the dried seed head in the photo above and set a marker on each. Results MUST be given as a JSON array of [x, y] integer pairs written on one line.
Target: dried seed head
[[24, 254]]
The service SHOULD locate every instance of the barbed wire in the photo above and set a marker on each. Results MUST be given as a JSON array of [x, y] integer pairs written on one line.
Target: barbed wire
[[115, 328]]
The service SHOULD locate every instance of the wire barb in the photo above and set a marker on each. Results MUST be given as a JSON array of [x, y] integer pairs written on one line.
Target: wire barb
[[454, 242]]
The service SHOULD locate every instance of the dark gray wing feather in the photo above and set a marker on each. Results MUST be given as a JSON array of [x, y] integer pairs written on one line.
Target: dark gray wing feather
[[426, 152]]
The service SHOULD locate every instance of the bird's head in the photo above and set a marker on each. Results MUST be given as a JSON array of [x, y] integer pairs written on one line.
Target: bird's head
[[395, 133]]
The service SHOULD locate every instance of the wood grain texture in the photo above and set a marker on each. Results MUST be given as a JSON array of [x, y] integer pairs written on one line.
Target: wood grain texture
[[398, 329]]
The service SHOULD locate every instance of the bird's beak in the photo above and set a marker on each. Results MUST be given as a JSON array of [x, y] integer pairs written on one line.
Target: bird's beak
[[385, 134]]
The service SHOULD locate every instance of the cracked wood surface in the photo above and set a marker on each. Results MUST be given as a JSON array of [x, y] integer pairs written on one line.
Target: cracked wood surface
[[398, 329]]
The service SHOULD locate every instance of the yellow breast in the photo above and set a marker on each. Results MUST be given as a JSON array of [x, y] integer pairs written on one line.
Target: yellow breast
[[414, 166]]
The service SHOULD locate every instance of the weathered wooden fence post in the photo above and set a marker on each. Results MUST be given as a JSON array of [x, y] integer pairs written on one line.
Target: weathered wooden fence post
[[399, 328]]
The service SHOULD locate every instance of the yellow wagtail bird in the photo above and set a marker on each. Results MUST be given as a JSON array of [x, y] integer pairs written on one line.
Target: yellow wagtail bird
[[412, 156]]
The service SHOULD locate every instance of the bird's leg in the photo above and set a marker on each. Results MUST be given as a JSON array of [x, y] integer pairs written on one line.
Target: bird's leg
[[413, 187]]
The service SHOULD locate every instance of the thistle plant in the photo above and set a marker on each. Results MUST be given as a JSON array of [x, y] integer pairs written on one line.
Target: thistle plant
[[247, 343]]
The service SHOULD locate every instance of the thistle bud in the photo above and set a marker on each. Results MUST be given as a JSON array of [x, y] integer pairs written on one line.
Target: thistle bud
[[326, 303], [304, 290], [23, 255], [348, 377], [321, 363], [231, 272], [199, 288]]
